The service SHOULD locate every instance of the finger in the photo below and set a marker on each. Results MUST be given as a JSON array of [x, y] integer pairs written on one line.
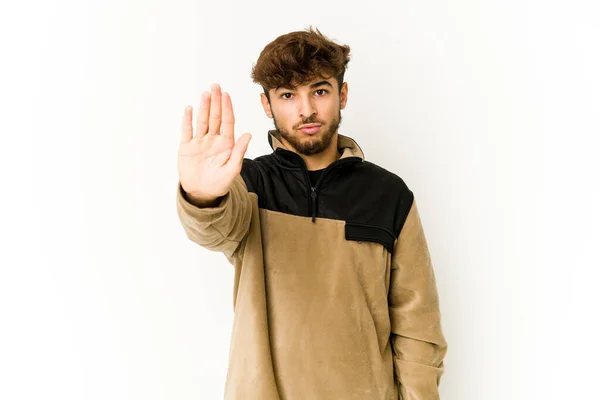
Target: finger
[[214, 120], [238, 152], [202, 119], [186, 125], [228, 121]]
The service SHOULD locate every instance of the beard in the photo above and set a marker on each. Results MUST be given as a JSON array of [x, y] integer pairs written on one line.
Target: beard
[[311, 144]]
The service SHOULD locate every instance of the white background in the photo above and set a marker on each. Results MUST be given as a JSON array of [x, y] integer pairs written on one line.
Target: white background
[[487, 109]]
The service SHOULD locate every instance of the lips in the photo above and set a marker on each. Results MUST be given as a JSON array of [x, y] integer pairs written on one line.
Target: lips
[[311, 128]]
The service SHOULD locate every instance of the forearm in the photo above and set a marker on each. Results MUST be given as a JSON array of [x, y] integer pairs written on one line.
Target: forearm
[[417, 339], [218, 226]]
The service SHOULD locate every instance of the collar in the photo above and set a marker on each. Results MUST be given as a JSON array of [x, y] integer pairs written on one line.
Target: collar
[[347, 146]]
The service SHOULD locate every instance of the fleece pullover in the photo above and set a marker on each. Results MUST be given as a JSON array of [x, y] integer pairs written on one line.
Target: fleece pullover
[[334, 291]]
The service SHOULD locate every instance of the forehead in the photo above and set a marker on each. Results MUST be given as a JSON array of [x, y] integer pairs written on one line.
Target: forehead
[[319, 81]]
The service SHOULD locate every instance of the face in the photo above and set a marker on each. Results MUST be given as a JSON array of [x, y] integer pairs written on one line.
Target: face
[[315, 107]]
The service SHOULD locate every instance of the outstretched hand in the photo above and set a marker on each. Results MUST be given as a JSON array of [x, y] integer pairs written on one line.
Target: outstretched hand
[[209, 162]]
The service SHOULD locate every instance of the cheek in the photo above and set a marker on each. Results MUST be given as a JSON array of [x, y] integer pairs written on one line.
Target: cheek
[[331, 111], [285, 115]]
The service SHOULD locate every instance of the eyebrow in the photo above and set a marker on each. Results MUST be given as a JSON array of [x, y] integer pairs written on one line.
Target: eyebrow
[[312, 86]]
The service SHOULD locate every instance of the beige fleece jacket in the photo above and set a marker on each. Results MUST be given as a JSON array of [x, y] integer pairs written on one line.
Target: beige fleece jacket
[[319, 317]]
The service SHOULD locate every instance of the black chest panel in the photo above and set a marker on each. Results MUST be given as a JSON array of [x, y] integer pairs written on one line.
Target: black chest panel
[[372, 201], [314, 176]]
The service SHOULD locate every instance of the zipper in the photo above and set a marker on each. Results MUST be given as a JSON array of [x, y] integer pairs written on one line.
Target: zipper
[[313, 195], [313, 189]]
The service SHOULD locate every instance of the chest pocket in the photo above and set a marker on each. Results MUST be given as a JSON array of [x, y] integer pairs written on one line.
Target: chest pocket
[[369, 233]]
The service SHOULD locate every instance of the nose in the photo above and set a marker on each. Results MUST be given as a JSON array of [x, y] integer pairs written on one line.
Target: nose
[[306, 107]]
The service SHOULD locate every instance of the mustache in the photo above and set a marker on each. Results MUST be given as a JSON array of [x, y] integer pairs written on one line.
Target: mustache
[[309, 121]]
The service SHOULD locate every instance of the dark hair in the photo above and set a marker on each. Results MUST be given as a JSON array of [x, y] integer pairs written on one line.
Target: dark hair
[[297, 58]]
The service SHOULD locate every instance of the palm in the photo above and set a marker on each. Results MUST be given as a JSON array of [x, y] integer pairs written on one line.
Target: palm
[[209, 161]]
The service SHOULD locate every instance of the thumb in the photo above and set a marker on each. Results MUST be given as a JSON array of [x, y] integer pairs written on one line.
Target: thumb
[[239, 150]]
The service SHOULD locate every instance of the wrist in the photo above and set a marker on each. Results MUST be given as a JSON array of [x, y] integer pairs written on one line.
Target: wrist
[[202, 201]]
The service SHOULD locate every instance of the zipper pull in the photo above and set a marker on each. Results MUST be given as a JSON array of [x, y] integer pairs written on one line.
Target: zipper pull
[[313, 195]]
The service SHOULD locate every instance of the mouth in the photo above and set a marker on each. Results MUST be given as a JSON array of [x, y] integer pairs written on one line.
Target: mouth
[[310, 128]]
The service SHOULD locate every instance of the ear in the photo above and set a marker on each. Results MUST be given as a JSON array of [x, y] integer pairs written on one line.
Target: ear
[[266, 105], [343, 95]]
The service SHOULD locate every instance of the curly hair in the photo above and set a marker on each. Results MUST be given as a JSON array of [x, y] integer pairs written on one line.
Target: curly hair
[[297, 58]]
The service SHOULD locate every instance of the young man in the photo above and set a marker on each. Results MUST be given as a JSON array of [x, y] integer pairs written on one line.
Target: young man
[[334, 292]]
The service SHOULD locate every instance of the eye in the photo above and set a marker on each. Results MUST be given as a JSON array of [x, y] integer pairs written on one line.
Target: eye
[[323, 91], [285, 95]]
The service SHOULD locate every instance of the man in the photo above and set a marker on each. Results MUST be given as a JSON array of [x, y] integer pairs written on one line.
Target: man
[[334, 292]]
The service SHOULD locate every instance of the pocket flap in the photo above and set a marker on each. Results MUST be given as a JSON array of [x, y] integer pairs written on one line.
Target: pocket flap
[[369, 233]]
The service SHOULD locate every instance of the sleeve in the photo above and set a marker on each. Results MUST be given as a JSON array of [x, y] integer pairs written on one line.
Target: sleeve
[[418, 343], [221, 228]]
